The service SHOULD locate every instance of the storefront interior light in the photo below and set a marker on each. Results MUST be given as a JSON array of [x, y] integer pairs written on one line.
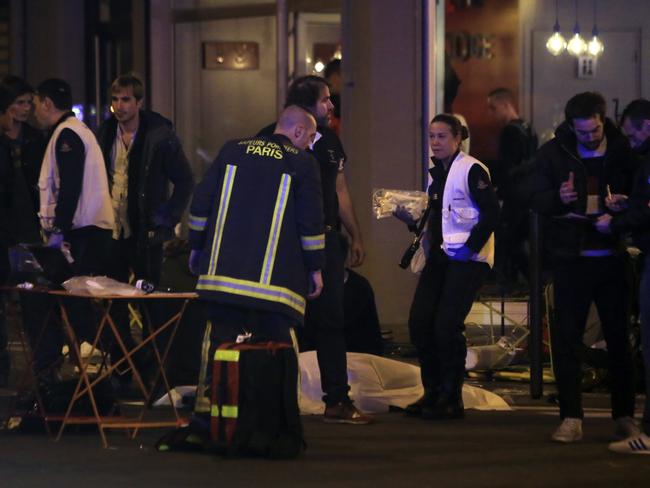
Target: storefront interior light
[[556, 44], [595, 46], [577, 45]]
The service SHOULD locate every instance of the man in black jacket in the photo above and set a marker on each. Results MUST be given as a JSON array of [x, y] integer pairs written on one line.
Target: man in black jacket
[[636, 125], [517, 144], [6, 121], [586, 161], [142, 155], [21, 150], [324, 322], [27, 146], [256, 232]]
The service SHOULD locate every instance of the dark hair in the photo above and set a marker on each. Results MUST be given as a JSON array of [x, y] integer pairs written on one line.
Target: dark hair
[[58, 91], [637, 111], [333, 67], [503, 95], [305, 91], [6, 97], [125, 81], [457, 129], [585, 106], [17, 85], [452, 84]]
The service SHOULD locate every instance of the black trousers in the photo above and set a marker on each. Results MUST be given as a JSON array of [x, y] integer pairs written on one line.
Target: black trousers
[[89, 247], [511, 256], [5, 363], [578, 282], [443, 298], [324, 324], [145, 263]]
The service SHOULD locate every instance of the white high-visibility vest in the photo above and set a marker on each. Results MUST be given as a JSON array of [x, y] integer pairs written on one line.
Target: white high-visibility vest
[[459, 212], [94, 205]]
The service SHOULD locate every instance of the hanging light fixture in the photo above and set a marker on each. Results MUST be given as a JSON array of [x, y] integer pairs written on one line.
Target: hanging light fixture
[[595, 46], [577, 45], [556, 44]]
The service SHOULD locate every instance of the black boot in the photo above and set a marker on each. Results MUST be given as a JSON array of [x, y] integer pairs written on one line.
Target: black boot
[[443, 409], [426, 400], [449, 404]]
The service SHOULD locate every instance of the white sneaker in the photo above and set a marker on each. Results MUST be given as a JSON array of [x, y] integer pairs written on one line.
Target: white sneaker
[[570, 430], [634, 445], [626, 427]]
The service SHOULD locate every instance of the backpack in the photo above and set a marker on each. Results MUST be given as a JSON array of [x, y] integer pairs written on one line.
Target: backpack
[[254, 401]]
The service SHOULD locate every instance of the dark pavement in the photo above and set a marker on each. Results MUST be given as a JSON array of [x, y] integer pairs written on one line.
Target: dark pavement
[[487, 449]]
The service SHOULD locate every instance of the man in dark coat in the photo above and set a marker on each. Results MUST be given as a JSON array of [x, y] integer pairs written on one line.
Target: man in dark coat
[[636, 219], [588, 160], [143, 156]]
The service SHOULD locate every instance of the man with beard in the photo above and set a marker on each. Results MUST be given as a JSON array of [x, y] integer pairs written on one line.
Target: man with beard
[[635, 123], [588, 160], [324, 323]]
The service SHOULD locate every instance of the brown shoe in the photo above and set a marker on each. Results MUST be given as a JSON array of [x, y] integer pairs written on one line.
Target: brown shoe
[[345, 413]]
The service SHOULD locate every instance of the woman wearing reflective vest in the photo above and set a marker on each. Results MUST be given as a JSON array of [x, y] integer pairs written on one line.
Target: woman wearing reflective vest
[[460, 231]]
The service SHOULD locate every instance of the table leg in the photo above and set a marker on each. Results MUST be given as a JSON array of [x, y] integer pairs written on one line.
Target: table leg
[[83, 371], [173, 322]]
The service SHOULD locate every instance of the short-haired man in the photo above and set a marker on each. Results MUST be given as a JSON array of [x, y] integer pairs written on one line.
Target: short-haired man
[[27, 146], [324, 322], [143, 156], [6, 122], [21, 153], [517, 144], [256, 233], [75, 204], [635, 122], [586, 161]]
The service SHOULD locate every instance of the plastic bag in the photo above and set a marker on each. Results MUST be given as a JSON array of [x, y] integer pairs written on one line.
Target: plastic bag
[[384, 202], [100, 286]]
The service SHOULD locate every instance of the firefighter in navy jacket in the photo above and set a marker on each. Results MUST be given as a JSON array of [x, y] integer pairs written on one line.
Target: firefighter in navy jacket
[[256, 231], [464, 213]]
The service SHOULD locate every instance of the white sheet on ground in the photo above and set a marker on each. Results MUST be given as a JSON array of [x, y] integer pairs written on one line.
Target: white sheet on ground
[[376, 383]]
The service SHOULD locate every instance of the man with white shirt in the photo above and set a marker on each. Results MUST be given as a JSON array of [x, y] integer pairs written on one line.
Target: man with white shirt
[[587, 160], [144, 157]]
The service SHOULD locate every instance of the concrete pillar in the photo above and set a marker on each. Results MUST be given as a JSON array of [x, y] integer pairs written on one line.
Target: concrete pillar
[[382, 135]]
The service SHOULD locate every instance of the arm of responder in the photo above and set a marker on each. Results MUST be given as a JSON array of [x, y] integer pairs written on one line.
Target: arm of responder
[[205, 194], [485, 198], [310, 222], [70, 156], [309, 214]]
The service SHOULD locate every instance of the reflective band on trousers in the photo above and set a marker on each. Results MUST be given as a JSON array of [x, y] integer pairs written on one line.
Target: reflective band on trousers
[[227, 411], [226, 355]]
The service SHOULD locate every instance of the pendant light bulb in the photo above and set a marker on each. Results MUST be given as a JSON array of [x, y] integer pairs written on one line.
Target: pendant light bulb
[[577, 46], [556, 44]]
